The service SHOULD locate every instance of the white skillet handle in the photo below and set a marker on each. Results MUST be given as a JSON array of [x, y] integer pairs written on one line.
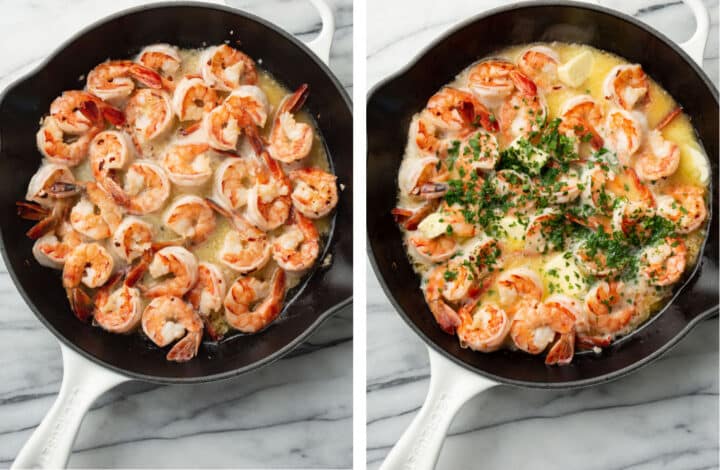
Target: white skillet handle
[[321, 44], [450, 387], [51, 443], [695, 46]]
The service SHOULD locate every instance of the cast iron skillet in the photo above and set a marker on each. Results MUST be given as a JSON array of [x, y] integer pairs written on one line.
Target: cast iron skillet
[[187, 25], [389, 111]]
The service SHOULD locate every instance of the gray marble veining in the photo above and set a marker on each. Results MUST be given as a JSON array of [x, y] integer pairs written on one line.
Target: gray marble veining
[[280, 416], [665, 416]]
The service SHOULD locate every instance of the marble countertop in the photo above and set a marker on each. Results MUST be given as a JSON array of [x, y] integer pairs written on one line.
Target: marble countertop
[[279, 416], [665, 416]]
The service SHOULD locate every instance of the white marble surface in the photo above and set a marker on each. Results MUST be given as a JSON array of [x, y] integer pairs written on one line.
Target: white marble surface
[[295, 413], [665, 416]]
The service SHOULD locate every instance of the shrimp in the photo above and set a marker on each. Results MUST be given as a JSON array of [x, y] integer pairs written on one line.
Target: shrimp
[[428, 137], [454, 110], [479, 151], [41, 184], [132, 238], [595, 261], [192, 98], [51, 250], [147, 187], [149, 114], [494, 80], [534, 326], [659, 159], [251, 304], [519, 285], [47, 218], [685, 206], [663, 264], [168, 318], [163, 58], [188, 164], [233, 179], [628, 215], [610, 310], [115, 80], [419, 178], [250, 99], [565, 189], [517, 187], [435, 289], [53, 145], [540, 63], [626, 184], [291, 140], [110, 152], [314, 192], [409, 219], [626, 85], [225, 124], [96, 224], [483, 329], [581, 118], [226, 68], [87, 263], [522, 115], [269, 202], [178, 269], [119, 310], [77, 112], [570, 311], [623, 134], [244, 249], [298, 246], [208, 293], [539, 231], [190, 217], [433, 250]]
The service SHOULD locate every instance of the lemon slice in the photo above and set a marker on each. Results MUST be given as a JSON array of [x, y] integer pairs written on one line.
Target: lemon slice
[[575, 71], [433, 226], [561, 274], [697, 161], [514, 231]]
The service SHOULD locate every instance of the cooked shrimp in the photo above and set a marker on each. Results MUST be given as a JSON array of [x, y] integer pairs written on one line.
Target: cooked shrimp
[[626, 85], [244, 249], [252, 304], [534, 325], [47, 218], [623, 134], [147, 187], [269, 202], [226, 68], [479, 151], [453, 216], [149, 114], [409, 219], [163, 58], [52, 144], [565, 188], [208, 293], [77, 112], [115, 79], [291, 140], [418, 177], [192, 98], [519, 285], [610, 309], [166, 319], [39, 188], [483, 329], [298, 246], [581, 118], [663, 264], [224, 125], [110, 152], [177, 263], [628, 215], [96, 216], [539, 231], [454, 109], [252, 100], [540, 63], [87, 263], [132, 238], [659, 159], [428, 137], [314, 192], [190, 217], [188, 164], [435, 288], [51, 250], [119, 310], [521, 115], [433, 250], [517, 187], [685, 206], [494, 80], [568, 308], [233, 179], [595, 261]]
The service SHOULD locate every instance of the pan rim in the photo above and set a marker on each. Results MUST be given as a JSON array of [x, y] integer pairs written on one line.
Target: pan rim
[[564, 385], [312, 327]]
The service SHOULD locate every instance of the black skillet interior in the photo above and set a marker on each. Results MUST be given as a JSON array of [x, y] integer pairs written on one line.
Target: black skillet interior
[[121, 36], [391, 107]]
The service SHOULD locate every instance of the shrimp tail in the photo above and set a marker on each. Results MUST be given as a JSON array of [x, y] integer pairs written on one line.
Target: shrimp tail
[[589, 342], [669, 118], [445, 316], [113, 115], [523, 83], [561, 353], [296, 100], [81, 304], [136, 272], [146, 76], [31, 210], [64, 189], [186, 348]]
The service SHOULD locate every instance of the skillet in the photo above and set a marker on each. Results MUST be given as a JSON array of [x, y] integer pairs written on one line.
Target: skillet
[[93, 360], [457, 374]]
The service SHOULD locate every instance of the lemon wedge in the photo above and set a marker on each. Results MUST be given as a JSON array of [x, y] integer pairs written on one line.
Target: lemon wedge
[[561, 274], [575, 71], [697, 161], [514, 231], [433, 226]]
